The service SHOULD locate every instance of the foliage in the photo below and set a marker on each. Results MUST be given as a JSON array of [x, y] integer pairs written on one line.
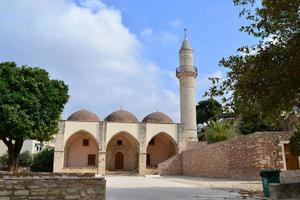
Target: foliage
[[252, 122], [3, 162], [264, 78], [207, 109], [295, 144], [25, 159], [43, 161], [220, 130], [30, 106]]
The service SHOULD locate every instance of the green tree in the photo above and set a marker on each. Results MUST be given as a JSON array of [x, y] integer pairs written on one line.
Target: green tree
[[264, 77], [252, 122], [207, 109], [25, 159], [43, 161], [295, 143], [3, 162], [219, 130], [30, 107]]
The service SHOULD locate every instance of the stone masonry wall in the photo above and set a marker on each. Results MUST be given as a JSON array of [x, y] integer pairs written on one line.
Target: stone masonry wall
[[238, 158], [172, 166], [47, 186]]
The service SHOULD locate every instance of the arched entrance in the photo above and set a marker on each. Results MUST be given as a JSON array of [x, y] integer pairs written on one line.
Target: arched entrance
[[122, 153], [81, 151], [119, 161], [160, 148]]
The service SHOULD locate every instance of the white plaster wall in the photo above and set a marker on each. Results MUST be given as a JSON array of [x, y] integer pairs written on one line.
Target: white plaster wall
[[114, 128], [74, 127], [128, 148], [154, 129], [162, 150], [3, 148], [77, 154], [28, 145]]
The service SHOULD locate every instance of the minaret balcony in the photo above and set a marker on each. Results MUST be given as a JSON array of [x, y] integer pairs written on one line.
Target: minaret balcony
[[186, 71]]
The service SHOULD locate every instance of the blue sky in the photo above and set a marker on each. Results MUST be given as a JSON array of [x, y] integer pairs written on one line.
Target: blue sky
[[115, 53]]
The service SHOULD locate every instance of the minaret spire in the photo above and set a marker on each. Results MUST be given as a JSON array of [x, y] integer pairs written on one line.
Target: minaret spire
[[185, 35]]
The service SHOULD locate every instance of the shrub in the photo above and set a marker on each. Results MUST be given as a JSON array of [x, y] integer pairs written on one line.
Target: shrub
[[220, 130], [295, 144], [43, 161]]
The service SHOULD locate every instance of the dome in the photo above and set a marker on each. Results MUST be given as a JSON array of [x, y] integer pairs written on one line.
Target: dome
[[158, 117], [83, 116], [121, 116]]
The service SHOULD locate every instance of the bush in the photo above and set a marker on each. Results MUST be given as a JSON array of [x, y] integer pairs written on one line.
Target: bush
[[3, 162], [25, 159], [295, 144], [220, 130], [43, 161]]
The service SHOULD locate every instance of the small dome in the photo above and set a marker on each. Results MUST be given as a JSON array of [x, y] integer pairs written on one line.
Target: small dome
[[121, 116], [158, 117], [83, 116]]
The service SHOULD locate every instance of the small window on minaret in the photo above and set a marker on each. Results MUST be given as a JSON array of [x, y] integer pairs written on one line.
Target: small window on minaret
[[119, 142]]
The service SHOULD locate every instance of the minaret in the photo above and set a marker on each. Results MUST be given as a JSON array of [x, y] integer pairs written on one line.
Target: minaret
[[187, 73]]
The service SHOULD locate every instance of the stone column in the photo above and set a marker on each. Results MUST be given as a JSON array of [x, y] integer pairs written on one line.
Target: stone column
[[59, 154], [143, 148], [102, 148], [181, 139]]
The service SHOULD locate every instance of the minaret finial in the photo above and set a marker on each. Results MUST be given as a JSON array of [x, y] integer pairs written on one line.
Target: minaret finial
[[121, 107], [185, 31]]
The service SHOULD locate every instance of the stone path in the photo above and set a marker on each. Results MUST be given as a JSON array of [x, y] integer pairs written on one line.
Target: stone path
[[175, 188]]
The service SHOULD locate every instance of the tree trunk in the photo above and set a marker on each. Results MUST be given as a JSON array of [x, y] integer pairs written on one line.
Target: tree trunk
[[13, 152]]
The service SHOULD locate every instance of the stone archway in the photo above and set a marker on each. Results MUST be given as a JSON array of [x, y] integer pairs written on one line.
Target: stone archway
[[160, 148], [122, 153], [81, 151]]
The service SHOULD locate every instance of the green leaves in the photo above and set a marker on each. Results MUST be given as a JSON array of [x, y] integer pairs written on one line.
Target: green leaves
[[207, 109], [295, 144], [264, 78], [30, 105], [219, 130]]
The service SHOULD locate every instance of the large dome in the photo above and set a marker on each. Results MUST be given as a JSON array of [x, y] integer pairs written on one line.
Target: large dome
[[83, 116], [158, 117], [121, 116]]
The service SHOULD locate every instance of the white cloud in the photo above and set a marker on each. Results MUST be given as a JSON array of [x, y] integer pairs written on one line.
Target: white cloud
[[147, 32], [90, 48], [175, 23]]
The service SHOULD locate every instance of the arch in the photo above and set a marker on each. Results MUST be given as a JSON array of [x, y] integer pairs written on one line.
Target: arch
[[81, 150], [160, 148], [122, 143]]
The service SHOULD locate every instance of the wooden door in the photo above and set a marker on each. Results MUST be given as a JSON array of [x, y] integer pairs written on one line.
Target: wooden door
[[292, 162], [119, 161]]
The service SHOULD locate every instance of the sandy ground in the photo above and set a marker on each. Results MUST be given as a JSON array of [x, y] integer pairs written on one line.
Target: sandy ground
[[179, 188]]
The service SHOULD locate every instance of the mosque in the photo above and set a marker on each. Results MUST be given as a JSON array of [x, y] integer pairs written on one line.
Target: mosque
[[87, 144]]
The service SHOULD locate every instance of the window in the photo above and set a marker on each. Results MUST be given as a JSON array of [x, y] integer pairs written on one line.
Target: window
[[91, 159], [85, 142], [152, 141], [119, 142]]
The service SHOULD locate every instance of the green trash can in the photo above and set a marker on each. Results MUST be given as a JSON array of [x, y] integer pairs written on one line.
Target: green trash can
[[269, 176]]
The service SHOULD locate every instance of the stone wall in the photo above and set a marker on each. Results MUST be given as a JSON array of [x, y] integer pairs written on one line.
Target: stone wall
[[290, 176], [238, 158], [172, 166], [284, 191], [51, 186]]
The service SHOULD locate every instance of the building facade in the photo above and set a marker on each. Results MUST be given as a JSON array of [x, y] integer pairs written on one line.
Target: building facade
[[85, 143]]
